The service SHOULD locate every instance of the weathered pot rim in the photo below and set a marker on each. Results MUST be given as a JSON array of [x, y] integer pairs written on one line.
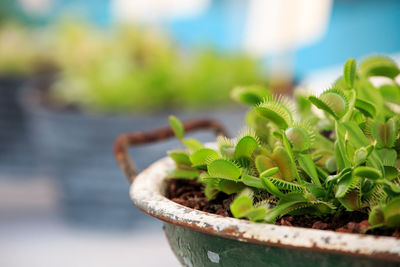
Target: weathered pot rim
[[147, 194]]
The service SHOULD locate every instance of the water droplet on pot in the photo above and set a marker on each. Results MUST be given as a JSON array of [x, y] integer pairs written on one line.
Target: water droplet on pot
[[213, 257], [187, 262]]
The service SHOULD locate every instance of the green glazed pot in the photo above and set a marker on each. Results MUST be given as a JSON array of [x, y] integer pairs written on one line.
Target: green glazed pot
[[203, 239]]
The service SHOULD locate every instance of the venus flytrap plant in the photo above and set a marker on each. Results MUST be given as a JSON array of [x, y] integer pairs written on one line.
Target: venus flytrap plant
[[347, 160], [243, 206]]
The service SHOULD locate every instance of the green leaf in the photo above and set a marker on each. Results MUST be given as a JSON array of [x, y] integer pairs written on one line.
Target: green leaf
[[391, 93], [390, 188], [180, 158], [285, 185], [211, 187], [322, 174], [345, 184], [287, 168], [276, 113], [316, 190], [349, 72], [250, 95], [226, 147], [241, 206], [352, 200], [245, 148], [252, 181], [358, 139], [310, 208], [330, 164], [257, 214], [230, 187], [333, 101], [338, 176], [349, 148], [341, 152], [367, 172], [203, 156], [317, 158], [271, 188], [269, 172], [225, 169], [303, 104], [379, 66], [322, 105], [278, 211], [388, 156], [367, 92], [263, 163], [298, 138], [361, 155], [340, 161], [384, 133], [366, 108], [184, 174], [376, 216], [391, 173], [177, 127], [308, 165], [350, 96], [391, 212], [192, 144]]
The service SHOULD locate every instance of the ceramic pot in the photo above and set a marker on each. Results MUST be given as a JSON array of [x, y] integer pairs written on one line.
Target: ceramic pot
[[203, 239]]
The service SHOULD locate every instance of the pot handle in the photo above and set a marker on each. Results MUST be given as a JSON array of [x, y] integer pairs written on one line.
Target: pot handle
[[122, 143]]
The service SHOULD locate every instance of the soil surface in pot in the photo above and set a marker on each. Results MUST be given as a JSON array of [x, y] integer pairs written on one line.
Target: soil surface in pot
[[191, 194]]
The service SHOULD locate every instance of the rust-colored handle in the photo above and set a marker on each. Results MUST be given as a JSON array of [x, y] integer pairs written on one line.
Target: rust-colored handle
[[123, 142]]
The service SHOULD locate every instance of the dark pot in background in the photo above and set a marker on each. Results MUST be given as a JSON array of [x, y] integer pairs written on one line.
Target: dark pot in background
[[76, 148], [15, 147]]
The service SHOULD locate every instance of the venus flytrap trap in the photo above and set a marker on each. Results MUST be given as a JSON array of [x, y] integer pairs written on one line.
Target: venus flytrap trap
[[289, 161], [243, 207], [379, 66]]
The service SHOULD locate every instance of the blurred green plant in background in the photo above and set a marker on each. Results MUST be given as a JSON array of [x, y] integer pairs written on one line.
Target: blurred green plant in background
[[131, 69], [122, 69]]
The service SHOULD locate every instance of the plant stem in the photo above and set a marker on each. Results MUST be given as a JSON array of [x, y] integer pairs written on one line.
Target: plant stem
[[291, 157]]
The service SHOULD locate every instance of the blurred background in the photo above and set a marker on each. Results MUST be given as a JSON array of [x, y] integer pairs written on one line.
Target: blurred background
[[76, 74]]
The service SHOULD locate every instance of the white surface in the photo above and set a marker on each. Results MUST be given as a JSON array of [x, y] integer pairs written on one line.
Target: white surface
[[280, 25], [56, 245], [36, 7], [150, 11], [33, 235]]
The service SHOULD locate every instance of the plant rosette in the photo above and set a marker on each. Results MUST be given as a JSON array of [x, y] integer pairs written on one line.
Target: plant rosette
[[289, 161]]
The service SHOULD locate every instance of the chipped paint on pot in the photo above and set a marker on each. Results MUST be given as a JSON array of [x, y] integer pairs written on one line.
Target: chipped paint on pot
[[186, 227]]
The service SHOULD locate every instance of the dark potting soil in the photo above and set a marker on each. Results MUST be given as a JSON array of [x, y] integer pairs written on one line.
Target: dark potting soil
[[190, 193]]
